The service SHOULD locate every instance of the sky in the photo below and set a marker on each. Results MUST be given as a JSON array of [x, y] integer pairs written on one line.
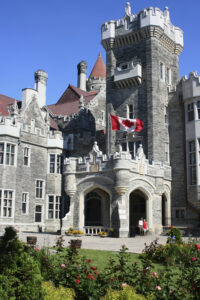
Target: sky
[[55, 35]]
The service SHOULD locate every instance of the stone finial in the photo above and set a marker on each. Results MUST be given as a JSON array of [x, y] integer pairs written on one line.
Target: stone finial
[[128, 9], [81, 103]]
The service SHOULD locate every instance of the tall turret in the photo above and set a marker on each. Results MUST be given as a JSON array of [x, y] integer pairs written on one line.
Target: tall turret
[[142, 64]]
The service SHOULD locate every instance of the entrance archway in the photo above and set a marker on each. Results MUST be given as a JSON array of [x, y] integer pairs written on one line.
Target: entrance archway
[[137, 209], [164, 207], [93, 214], [97, 208]]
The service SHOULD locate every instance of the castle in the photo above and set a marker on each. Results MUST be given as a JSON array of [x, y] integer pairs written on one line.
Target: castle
[[62, 165]]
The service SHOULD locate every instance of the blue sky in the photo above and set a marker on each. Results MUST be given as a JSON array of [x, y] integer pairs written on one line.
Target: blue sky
[[55, 35]]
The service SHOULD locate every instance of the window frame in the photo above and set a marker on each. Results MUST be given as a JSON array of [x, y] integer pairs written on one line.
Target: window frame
[[55, 209], [192, 163], [130, 111], [26, 202], [41, 213], [190, 112], [40, 188], [2, 201], [56, 165], [26, 156], [8, 156]]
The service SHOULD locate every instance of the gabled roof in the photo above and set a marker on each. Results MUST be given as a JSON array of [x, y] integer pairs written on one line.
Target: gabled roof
[[5, 101], [99, 69], [69, 102]]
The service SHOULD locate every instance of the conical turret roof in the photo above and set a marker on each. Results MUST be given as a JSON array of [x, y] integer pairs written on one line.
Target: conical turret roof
[[99, 69]]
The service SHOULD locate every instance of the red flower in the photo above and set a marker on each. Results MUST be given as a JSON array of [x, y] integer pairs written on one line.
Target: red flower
[[194, 258], [172, 226], [89, 276], [198, 246], [93, 268], [93, 278], [88, 261], [95, 272], [78, 276], [190, 246], [77, 281]]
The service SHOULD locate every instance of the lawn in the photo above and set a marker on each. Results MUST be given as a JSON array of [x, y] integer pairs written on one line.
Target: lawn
[[100, 258]]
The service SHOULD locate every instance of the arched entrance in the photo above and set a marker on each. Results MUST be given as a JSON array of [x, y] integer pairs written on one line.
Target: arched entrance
[[93, 212], [97, 209], [164, 207], [137, 209]]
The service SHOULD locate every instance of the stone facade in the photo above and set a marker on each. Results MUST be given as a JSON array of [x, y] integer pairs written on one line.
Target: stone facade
[[60, 169]]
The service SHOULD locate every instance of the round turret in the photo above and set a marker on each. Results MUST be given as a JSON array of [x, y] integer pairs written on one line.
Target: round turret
[[97, 78]]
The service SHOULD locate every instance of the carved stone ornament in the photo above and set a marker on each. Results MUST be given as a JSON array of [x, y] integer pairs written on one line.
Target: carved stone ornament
[[121, 190]]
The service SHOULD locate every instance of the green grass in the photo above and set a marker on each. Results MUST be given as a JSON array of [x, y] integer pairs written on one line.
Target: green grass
[[100, 258]]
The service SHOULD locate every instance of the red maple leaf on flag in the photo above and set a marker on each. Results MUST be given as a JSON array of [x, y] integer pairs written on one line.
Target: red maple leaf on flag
[[127, 123]]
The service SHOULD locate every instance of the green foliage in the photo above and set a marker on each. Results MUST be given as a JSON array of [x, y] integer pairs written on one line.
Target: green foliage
[[60, 293], [174, 235], [127, 293], [20, 276]]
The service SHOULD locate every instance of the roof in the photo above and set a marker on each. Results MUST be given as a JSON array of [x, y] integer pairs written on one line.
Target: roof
[[5, 101], [99, 69], [69, 102]]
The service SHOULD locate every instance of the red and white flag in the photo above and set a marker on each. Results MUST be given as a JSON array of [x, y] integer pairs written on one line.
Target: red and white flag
[[124, 124]]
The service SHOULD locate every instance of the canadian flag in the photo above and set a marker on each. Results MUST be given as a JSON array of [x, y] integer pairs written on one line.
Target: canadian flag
[[124, 124]]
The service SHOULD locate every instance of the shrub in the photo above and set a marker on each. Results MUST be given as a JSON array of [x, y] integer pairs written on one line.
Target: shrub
[[174, 235], [20, 276], [60, 293], [127, 293]]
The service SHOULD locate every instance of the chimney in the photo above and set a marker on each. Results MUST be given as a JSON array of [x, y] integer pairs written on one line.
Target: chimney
[[82, 70], [40, 86]]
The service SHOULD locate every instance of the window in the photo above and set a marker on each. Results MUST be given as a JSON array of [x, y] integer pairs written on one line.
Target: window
[[1, 153], [162, 71], [54, 207], [131, 147], [124, 67], [180, 213], [26, 156], [166, 152], [198, 109], [6, 203], [55, 163], [166, 116], [130, 111], [39, 189], [10, 154], [168, 78], [192, 163], [190, 108], [25, 203], [102, 115], [38, 213]]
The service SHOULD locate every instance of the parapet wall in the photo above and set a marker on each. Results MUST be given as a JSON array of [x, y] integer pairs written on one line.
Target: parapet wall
[[117, 161], [147, 17], [191, 86]]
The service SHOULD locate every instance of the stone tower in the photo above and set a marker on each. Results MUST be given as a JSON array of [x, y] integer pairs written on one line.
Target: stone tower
[[142, 65]]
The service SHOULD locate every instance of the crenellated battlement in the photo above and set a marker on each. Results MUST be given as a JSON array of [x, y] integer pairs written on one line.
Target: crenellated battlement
[[117, 161], [10, 126], [191, 86], [131, 24]]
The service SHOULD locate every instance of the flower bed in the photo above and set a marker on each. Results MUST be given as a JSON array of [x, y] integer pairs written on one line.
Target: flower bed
[[23, 269]]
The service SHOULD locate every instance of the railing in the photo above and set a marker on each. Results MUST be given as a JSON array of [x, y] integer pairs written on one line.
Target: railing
[[93, 230]]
